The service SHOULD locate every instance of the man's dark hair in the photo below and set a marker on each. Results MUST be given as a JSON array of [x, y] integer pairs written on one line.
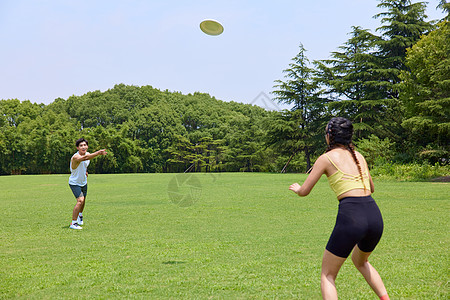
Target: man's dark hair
[[79, 141]]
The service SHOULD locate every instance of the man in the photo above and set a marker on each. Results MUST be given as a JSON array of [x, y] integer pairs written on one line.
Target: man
[[78, 179]]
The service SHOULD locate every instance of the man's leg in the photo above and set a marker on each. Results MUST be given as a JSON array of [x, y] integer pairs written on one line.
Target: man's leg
[[76, 211], [78, 208], [77, 192], [80, 213]]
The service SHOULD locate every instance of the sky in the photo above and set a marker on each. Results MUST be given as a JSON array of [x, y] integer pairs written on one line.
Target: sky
[[58, 48]]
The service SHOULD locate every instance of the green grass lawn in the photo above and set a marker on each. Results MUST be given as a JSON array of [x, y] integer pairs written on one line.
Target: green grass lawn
[[245, 236]]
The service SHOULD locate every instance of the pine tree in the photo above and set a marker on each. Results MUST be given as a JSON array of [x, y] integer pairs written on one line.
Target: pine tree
[[403, 24], [351, 84], [445, 6], [307, 119]]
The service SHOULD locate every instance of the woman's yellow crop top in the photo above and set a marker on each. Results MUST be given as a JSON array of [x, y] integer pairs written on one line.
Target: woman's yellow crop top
[[341, 182]]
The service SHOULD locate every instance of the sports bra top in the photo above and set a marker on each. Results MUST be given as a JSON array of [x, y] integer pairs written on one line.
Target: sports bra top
[[341, 182]]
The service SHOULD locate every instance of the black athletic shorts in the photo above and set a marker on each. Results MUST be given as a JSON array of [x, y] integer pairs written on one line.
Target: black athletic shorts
[[78, 191], [359, 222]]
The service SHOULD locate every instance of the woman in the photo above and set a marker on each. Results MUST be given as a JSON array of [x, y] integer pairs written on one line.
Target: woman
[[359, 224]]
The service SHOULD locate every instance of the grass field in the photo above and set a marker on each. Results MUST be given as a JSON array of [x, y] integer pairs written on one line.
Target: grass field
[[245, 237]]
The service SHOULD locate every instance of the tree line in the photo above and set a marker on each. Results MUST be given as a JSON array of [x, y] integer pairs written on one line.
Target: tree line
[[143, 129], [394, 87]]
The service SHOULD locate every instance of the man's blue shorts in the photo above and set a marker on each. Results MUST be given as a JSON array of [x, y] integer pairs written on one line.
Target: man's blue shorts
[[78, 191]]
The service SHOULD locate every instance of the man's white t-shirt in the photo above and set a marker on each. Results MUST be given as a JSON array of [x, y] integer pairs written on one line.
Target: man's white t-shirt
[[78, 175]]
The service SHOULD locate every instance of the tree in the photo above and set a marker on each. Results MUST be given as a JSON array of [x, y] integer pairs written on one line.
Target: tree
[[178, 153], [301, 91], [284, 135], [350, 82], [13, 157], [404, 23], [426, 88], [445, 8]]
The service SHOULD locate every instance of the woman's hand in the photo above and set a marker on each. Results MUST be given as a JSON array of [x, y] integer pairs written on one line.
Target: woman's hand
[[295, 188]]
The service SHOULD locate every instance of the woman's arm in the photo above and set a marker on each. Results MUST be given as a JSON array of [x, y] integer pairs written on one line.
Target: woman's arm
[[317, 171]]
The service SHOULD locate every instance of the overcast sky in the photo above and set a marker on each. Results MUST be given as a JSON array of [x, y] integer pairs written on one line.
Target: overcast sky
[[59, 48]]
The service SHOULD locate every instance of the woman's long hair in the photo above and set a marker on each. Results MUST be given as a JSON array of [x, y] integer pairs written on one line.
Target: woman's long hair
[[340, 132]]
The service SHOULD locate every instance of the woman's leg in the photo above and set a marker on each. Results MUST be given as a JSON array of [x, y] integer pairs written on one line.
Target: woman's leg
[[360, 260], [331, 265]]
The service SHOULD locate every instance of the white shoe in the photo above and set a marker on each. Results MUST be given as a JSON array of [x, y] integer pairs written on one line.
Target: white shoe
[[75, 226], [80, 220]]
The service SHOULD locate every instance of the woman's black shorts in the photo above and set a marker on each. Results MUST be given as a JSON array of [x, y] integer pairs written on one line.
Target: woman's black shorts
[[359, 222]]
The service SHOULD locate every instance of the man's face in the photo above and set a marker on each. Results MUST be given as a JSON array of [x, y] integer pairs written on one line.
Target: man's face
[[82, 147]]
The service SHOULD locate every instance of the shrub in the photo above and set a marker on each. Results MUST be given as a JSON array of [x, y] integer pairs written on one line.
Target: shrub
[[375, 150], [410, 172]]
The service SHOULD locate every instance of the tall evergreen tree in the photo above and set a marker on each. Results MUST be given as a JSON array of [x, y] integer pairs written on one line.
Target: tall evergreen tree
[[403, 24], [301, 91], [350, 82], [445, 6]]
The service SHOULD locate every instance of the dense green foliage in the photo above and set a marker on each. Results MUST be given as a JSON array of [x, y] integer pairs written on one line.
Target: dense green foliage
[[426, 88], [296, 130], [394, 87], [143, 129]]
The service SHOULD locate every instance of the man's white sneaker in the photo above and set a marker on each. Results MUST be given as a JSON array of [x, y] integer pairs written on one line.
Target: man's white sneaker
[[75, 226], [80, 220]]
